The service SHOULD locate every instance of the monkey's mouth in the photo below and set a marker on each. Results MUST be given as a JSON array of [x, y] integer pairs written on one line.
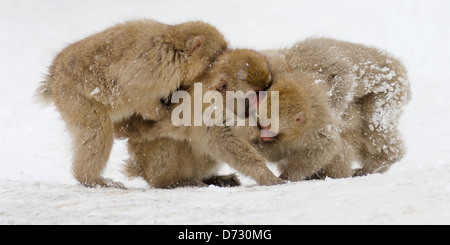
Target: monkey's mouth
[[267, 134]]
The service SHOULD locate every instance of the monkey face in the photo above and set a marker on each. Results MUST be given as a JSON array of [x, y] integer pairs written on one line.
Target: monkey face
[[294, 106], [243, 71]]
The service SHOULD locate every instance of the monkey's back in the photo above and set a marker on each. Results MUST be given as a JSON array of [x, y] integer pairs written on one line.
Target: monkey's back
[[354, 68], [87, 62]]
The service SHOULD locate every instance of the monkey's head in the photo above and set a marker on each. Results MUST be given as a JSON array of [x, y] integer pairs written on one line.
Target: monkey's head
[[296, 113], [199, 43], [240, 70]]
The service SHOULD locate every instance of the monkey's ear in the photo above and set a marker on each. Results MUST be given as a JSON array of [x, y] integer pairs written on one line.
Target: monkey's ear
[[195, 44]]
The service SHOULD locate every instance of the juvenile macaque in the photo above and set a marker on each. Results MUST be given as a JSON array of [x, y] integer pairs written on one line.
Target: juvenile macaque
[[339, 102], [308, 138], [125, 70], [190, 155]]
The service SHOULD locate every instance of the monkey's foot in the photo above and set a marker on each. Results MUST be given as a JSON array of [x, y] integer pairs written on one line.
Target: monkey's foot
[[359, 173], [223, 180], [320, 175], [367, 171], [105, 183], [276, 181]]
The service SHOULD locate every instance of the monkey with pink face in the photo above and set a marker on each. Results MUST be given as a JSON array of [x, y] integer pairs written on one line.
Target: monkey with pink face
[[339, 103]]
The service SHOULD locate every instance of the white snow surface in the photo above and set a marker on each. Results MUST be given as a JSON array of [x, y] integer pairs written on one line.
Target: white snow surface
[[36, 186]]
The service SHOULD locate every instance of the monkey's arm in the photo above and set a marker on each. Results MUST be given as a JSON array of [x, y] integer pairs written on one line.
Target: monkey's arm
[[223, 144]]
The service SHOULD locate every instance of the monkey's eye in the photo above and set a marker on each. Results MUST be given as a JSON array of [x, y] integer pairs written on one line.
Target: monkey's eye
[[213, 59], [268, 86], [166, 101], [223, 85]]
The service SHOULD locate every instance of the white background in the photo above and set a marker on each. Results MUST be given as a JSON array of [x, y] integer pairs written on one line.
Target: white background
[[36, 186]]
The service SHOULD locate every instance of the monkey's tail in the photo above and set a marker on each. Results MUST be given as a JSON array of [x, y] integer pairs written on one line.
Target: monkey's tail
[[44, 93]]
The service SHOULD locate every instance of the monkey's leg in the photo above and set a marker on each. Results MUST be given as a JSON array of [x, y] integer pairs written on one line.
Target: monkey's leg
[[166, 163], [381, 159], [153, 162], [92, 134], [134, 166], [382, 145], [341, 165], [305, 163], [338, 168]]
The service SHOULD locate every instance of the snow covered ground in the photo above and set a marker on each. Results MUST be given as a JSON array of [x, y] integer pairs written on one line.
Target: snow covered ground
[[36, 186]]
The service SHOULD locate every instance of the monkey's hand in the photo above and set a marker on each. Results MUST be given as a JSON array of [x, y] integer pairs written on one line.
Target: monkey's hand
[[223, 180]]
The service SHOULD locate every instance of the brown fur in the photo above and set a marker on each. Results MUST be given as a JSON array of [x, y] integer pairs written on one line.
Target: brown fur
[[188, 155], [302, 147], [350, 96], [123, 70]]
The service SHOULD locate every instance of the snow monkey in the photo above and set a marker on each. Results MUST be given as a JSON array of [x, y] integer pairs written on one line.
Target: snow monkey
[[190, 155], [339, 102], [127, 69]]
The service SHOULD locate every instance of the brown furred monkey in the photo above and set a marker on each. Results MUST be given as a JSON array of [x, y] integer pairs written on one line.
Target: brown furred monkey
[[127, 69], [308, 138], [190, 155], [339, 102]]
